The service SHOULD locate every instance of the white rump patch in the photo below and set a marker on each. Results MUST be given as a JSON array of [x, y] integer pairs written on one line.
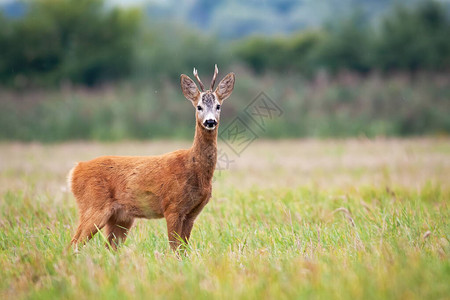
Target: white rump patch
[[69, 177]]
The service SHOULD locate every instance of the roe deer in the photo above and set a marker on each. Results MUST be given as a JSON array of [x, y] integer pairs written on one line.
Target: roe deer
[[111, 191]]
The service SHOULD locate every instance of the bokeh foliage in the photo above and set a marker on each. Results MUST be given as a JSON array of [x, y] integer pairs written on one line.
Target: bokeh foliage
[[407, 39], [345, 78], [345, 106], [85, 42], [75, 41]]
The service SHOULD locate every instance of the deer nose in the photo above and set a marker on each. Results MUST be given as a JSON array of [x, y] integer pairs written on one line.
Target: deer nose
[[210, 123]]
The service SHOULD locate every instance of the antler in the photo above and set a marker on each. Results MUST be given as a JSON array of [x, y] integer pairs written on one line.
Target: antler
[[198, 79], [216, 71]]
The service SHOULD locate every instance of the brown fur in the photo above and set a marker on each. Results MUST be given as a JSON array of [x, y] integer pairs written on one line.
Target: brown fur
[[111, 191]]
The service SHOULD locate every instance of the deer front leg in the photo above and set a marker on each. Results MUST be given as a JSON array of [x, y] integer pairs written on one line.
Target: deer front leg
[[187, 228], [189, 221], [174, 229]]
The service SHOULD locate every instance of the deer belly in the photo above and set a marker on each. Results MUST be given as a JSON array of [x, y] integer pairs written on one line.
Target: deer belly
[[148, 206]]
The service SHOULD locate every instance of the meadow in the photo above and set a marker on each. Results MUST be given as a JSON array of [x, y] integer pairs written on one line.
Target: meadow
[[320, 219]]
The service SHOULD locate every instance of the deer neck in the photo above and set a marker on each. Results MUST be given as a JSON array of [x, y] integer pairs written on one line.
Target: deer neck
[[204, 151]]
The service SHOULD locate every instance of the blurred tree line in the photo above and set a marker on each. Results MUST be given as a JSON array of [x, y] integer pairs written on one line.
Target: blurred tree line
[[77, 41], [407, 39], [86, 43]]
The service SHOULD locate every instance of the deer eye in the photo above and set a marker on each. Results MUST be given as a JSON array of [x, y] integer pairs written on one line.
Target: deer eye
[[218, 107], [199, 108]]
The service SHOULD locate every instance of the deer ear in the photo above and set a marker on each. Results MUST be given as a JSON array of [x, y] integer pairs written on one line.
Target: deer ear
[[225, 87], [189, 89]]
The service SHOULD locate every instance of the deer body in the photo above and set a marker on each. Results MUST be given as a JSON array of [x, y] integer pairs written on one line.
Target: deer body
[[111, 191]]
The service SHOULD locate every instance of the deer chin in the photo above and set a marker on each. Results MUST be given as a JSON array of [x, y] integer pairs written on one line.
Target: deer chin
[[210, 128]]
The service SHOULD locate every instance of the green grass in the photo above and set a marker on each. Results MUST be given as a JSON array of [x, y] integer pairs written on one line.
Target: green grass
[[252, 242]]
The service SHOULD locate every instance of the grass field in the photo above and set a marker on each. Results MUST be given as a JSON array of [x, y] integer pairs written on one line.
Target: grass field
[[341, 219]]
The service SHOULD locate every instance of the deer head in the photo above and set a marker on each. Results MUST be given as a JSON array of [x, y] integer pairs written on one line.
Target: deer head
[[207, 103]]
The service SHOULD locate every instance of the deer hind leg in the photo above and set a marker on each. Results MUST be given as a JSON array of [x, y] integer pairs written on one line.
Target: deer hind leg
[[89, 225], [117, 230]]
